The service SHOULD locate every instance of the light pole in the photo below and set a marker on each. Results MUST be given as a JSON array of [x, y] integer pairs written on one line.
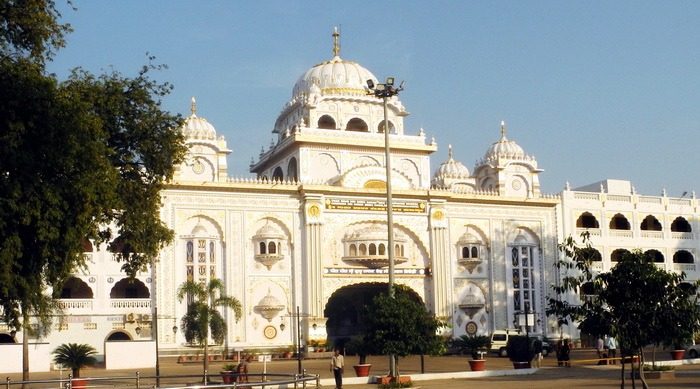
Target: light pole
[[298, 317], [384, 92]]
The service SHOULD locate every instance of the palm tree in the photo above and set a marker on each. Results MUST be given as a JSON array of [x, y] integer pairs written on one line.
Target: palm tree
[[74, 356], [203, 318]]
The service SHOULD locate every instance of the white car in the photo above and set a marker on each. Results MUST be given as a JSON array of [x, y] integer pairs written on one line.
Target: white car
[[693, 351]]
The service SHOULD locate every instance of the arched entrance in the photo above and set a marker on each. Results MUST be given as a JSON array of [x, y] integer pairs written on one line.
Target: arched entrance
[[118, 335], [7, 338], [346, 306]]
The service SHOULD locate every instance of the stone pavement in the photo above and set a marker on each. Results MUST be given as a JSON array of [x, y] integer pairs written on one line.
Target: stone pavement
[[584, 373]]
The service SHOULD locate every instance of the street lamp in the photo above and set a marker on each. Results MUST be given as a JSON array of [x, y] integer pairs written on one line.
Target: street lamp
[[384, 92], [298, 317]]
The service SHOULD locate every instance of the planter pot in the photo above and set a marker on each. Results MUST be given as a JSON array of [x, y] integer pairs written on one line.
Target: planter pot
[[677, 355], [386, 380], [477, 364], [362, 370], [228, 377], [521, 365], [79, 383]]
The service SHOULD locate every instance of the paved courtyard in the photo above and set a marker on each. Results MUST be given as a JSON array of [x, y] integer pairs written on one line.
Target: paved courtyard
[[584, 373]]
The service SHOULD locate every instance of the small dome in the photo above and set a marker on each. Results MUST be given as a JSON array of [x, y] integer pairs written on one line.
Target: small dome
[[504, 148], [451, 169], [196, 127], [468, 238], [199, 230], [269, 231], [373, 232]]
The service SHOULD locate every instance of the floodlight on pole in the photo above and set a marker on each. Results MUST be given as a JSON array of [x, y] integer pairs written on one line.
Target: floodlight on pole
[[384, 92]]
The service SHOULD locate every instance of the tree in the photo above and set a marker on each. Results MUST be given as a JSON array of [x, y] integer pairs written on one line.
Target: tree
[[74, 356], [203, 318], [401, 325], [636, 302], [83, 158]]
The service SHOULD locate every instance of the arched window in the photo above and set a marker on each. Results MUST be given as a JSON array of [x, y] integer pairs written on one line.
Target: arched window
[[272, 248], [619, 222], [263, 248], [86, 245], [681, 225], [650, 223], [683, 256], [616, 255], [75, 288], [117, 336], [465, 252], [277, 174], [591, 254], [372, 249], [353, 250], [382, 249], [363, 249], [292, 169], [654, 255], [587, 220], [129, 288], [356, 124], [588, 291], [380, 127], [475, 252], [326, 122]]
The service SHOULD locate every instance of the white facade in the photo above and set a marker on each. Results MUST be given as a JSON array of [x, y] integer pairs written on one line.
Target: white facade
[[310, 230]]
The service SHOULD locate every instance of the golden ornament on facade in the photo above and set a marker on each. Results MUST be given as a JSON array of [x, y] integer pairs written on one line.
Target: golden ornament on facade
[[438, 215], [314, 211]]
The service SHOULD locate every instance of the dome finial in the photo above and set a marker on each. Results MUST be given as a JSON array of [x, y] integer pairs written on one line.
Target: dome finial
[[336, 42], [193, 106], [503, 128], [449, 151]]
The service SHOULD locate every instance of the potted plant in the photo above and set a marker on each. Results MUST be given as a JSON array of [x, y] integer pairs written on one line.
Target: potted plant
[[476, 346], [678, 344], [228, 373], [75, 356], [520, 351], [358, 346]]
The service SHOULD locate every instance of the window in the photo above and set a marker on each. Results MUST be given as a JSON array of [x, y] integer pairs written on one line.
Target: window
[[616, 255], [277, 175], [654, 255], [292, 169], [326, 122], [356, 124], [380, 127], [681, 225], [587, 220], [591, 254], [650, 223], [619, 222], [683, 256], [523, 282]]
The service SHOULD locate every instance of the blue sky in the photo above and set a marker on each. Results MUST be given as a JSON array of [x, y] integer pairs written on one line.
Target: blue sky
[[592, 89]]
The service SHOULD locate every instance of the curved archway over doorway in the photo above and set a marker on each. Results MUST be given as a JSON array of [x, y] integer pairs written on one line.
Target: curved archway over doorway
[[346, 306]]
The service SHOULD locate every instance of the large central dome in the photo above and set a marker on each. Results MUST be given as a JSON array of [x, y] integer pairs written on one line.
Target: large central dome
[[336, 76]]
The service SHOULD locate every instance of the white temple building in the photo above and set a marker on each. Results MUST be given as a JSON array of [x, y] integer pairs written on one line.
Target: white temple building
[[477, 246]]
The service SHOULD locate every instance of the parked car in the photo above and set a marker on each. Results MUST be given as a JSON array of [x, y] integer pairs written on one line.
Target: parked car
[[499, 340], [693, 351]]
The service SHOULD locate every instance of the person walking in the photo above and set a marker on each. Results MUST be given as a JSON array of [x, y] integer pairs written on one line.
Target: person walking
[[337, 365], [611, 345], [537, 353], [242, 369], [599, 347]]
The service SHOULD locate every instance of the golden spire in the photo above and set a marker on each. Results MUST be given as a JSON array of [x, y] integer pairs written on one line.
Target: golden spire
[[503, 129], [193, 106], [336, 42], [449, 151]]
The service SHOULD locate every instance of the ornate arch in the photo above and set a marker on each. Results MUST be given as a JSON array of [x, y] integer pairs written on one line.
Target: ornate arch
[[215, 224], [358, 176]]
